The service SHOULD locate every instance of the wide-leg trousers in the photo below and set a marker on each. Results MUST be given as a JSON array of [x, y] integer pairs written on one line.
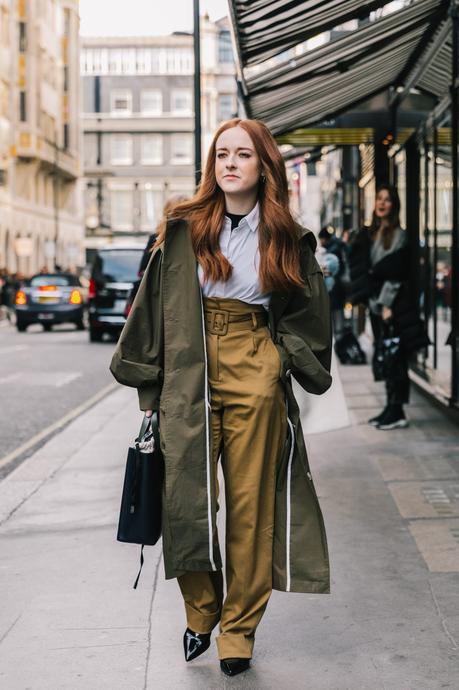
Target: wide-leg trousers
[[249, 426]]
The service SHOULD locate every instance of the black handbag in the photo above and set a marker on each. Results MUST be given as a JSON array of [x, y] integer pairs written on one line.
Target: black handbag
[[388, 358], [140, 512]]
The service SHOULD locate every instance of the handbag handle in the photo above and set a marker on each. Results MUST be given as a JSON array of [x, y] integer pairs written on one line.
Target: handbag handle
[[148, 422], [144, 427]]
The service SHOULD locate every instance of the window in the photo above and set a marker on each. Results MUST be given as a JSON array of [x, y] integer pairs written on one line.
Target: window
[[225, 52], [66, 136], [128, 62], [143, 61], [66, 78], [121, 102], [181, 102], [136, 60], [22, 106], [225, 107], [121, 207], [66, 22], [151, 207], [181, 149], [4, 27], [90, 150], [22, 37], [151, 102], [151, 149], [121, 149], [4, 100]]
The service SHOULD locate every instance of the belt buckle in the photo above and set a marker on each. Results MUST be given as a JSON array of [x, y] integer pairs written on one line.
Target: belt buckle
[[219, 324]]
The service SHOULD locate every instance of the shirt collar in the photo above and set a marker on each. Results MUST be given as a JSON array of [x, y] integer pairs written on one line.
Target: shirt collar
[[252, 219]]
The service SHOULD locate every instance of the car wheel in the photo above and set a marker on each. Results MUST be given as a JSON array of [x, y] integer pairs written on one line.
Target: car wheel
[[21, 327], [95, 336], [80, 325], [47, 327]]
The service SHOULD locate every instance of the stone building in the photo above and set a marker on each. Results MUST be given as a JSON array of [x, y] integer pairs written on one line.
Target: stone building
[[138, 123], [40, 211]]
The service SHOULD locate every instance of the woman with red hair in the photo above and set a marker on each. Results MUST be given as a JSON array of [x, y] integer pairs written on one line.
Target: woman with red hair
[[232, 305]]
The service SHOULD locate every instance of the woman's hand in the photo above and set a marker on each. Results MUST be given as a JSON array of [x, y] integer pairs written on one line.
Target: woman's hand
[[148, 413], [386, 313]]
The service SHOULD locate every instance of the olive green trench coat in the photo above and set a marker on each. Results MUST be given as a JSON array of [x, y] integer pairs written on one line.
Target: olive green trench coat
[[162, 353]]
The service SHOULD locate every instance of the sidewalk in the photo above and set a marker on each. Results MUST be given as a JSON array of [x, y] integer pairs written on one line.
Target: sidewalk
[[70, 619]]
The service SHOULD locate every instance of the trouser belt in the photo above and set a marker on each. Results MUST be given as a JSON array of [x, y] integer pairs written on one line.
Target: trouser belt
[[220, 321]]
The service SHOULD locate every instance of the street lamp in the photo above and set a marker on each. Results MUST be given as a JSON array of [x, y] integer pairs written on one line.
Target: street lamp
[[197, 94]]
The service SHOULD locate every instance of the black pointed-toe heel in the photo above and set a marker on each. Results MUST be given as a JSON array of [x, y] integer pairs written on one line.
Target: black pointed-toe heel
[[234, 666], [195, 644]]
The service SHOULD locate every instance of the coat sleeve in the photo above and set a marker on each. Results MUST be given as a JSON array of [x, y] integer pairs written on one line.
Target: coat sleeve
[[138, 360], [304, 329]]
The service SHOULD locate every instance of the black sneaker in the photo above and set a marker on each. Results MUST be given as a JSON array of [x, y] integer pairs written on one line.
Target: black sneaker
[[394, 419], [374, 421]]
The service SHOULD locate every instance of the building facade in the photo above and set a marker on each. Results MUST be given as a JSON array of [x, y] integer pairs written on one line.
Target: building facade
[[40, 211], [138, 124]]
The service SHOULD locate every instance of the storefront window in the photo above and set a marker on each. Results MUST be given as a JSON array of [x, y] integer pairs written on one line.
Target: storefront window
[[401, 185], [435, 235]]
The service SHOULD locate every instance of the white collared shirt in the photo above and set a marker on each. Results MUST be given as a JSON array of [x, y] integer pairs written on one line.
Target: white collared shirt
[[240, 246]]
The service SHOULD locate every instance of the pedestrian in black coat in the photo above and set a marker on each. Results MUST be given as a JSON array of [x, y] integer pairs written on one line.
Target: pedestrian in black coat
[[379, 271]]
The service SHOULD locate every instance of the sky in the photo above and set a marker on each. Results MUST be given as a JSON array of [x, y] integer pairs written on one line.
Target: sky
[[143, 17]]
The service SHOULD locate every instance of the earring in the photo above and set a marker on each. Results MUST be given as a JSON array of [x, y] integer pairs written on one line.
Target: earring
[[263, 177]]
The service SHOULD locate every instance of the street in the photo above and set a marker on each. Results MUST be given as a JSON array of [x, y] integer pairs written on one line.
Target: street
[[43, 378], [71, 619]]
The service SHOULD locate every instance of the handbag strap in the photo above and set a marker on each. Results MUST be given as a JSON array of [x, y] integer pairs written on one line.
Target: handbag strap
[[140, 569], [147, 423]]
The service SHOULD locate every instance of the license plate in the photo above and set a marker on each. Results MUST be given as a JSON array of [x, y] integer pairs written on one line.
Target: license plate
[[45, 317], [49, 300]]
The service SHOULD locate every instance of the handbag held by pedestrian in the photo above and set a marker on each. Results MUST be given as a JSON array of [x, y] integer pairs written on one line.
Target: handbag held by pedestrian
[[388, 355], [140, 512]]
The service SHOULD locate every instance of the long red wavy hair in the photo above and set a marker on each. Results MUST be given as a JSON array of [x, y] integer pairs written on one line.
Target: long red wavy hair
[[278, 232]]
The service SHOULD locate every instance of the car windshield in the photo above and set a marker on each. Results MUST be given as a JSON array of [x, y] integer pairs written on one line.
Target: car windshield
[[120, 266], [58, 280]]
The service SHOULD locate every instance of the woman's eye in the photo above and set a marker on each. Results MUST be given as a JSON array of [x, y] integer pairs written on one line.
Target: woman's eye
[[245, 155], [220, 155]]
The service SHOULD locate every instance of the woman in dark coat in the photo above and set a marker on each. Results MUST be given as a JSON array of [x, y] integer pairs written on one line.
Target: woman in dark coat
[[379, 268]]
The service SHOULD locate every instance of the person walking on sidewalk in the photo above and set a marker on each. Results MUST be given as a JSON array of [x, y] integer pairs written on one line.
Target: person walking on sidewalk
[[232, 304], [379, 266]]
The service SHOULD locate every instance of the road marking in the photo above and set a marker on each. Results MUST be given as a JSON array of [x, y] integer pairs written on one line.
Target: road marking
[[10, 377], [54, 379], [7, 459], [13, 348], [68, 378]]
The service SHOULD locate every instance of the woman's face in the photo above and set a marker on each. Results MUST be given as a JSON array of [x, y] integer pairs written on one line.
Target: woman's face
[[383, 205], [237, 166]]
